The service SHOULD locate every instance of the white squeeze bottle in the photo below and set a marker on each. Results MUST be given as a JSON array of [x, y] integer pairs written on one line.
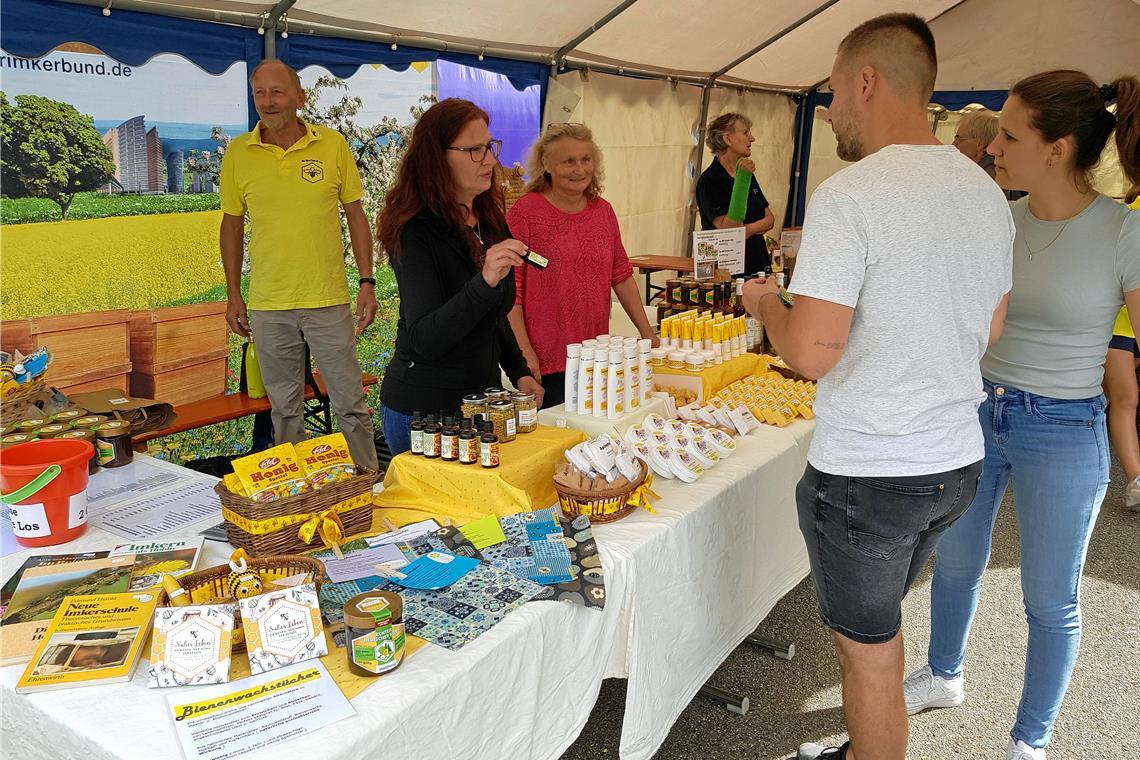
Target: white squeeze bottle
[[573, 359], [644, 369], [586, 382], [615, 387], [600, 358], [632, 394]]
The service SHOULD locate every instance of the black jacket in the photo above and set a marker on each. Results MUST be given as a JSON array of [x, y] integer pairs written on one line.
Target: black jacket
[[452, 333]]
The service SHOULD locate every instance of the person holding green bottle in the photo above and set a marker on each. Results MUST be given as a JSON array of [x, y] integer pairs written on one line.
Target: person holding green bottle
[[729, 137]]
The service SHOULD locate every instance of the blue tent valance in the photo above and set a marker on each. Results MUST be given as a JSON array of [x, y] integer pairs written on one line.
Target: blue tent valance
[[33, 28], [342, 57]]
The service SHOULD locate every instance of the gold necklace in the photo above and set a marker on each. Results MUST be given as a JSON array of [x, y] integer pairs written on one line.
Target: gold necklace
[[1056, 237]]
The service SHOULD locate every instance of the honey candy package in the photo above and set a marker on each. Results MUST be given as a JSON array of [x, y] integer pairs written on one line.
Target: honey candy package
[[326, 460], [272, 474]]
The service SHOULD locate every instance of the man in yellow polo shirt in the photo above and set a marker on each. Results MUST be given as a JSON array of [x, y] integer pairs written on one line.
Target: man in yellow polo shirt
[[290, 177]]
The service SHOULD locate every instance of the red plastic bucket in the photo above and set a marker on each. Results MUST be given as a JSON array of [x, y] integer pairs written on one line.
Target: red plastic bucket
[[55, 512]]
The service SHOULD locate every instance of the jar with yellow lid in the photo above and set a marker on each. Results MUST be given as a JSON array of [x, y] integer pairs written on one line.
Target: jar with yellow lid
[[113, 443]]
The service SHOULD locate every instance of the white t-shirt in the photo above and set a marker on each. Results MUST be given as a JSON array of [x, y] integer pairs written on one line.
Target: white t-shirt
[[918, 240]]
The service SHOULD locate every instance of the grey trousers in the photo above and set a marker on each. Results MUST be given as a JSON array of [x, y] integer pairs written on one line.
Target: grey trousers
[[330, 332]]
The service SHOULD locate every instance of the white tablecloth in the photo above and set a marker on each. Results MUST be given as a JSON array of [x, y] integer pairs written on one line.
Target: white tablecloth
[[684, 587], [702, 574]]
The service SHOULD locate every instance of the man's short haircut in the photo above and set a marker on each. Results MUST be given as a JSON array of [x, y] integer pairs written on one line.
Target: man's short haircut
[[901, 46], [275, 62], [979, 125]]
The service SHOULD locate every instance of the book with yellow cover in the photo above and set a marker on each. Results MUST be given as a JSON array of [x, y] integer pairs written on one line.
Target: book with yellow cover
[[91, 640]]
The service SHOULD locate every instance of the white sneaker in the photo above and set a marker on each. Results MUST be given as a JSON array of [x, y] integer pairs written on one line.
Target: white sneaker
[[813, 751], [1019, 750], [923, 690], [1132, 495]]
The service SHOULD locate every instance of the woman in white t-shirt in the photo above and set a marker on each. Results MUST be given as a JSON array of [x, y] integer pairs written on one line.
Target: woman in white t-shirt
[[1076, 260]]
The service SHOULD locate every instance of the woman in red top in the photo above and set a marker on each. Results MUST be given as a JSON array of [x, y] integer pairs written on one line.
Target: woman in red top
[[564, 218]]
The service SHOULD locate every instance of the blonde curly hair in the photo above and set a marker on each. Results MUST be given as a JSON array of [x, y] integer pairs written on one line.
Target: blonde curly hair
[[538, 179]]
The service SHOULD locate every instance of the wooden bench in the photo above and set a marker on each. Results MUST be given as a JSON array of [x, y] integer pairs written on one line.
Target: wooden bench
[[233, 406], [647, 265]]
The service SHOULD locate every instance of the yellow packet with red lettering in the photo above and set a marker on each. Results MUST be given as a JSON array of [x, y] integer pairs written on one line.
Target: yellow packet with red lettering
[[271, 474], [326, 460]]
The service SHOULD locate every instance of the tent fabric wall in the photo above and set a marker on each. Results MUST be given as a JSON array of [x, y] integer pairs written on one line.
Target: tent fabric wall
[[645, 130], [773, 126]]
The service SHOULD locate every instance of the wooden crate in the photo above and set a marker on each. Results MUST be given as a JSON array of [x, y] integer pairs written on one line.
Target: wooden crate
[[89, 351], [179, 353]]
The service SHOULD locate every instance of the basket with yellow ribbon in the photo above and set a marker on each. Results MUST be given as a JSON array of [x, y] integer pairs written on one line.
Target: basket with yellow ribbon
[[287, 500]]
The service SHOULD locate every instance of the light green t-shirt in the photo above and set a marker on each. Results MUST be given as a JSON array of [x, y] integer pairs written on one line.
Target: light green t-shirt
[[1065, 299]]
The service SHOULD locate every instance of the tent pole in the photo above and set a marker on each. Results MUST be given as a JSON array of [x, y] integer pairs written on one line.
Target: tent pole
[[692, 223], [560, 55], [280, 9]]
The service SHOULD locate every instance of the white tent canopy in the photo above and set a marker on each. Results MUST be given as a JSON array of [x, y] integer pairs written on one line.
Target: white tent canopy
[[649, 128], [785, 45]]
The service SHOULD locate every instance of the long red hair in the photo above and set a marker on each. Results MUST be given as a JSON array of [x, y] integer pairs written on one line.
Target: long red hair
[[424, 182]]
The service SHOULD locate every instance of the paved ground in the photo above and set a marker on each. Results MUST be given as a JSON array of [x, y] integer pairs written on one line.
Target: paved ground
[[798, 700]]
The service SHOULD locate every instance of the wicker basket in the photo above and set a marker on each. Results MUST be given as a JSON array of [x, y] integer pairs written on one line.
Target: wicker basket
[[209, 586], [19, 397], [600, 506], [286, 539]]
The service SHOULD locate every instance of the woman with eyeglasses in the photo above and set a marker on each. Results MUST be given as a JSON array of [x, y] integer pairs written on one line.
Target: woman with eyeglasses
[[445, 235], [1076, 261], [729, 137], [563, 217]]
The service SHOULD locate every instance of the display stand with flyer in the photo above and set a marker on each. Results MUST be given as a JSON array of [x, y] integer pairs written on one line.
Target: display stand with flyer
[[718, 249]]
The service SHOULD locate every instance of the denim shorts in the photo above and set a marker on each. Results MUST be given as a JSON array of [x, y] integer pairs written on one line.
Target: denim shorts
[[869, 538]]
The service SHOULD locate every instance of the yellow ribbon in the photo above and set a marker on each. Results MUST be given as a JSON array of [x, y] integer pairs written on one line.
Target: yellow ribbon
[[270, 524], [643, 495], [326, 523]]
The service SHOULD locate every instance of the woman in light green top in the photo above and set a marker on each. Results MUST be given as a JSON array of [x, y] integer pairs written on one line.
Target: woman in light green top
[[1076, 260]]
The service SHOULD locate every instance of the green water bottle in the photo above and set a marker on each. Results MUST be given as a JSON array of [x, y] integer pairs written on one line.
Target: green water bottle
[[738, 202], [254, 385]]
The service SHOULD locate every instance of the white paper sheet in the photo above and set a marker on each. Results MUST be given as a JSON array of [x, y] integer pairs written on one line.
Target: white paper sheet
[[258, 712], [406, 533], [149, 498], [362, 563]]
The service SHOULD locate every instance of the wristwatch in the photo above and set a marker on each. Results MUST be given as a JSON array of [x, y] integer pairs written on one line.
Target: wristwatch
[[369, 280]]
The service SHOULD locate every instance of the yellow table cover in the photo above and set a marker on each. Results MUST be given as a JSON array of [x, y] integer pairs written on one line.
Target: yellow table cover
[[717, 376], [416, 488]]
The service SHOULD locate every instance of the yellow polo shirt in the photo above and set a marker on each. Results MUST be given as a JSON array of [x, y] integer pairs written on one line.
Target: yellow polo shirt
[[1123, 325], [295, 252]]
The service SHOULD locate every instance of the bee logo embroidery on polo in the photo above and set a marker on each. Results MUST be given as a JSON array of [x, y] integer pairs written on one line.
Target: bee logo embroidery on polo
[[312, 170]]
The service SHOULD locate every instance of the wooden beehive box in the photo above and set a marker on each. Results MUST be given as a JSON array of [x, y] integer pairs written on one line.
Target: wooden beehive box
[[90, 351], [179, 352]]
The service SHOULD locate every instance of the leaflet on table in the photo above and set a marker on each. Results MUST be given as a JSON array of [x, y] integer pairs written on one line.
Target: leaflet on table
[[362, 563], [434, 570], [256, 713], [154, 559], [150, 498], [406, 533]]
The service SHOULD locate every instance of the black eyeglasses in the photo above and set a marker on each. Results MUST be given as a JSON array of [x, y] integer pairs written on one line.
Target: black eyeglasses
[[479, 152]]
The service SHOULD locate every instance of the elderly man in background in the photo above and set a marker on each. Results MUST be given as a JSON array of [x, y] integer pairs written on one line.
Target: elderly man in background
[[976, 130]]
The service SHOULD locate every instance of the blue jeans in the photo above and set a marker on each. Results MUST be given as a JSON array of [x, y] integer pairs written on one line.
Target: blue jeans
[[1056, 451], [397, 430]]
